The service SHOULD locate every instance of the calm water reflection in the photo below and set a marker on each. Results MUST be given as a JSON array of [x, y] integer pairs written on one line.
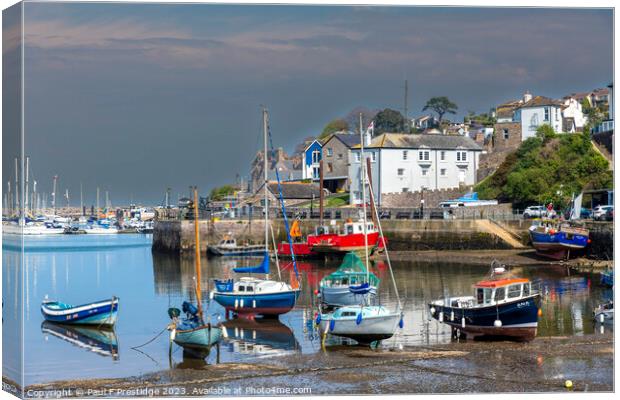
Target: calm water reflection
[[83, 268]]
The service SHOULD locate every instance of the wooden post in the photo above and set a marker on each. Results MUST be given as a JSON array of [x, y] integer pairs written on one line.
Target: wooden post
[[197, 253]]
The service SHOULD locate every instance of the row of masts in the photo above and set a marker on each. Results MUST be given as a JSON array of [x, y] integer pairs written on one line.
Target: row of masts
[[31, 202]]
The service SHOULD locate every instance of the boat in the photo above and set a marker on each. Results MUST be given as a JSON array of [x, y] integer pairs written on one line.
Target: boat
[[100, 228], [99, 341], [607, 278], [99, 313], [190, 331], [228, 246], [346, 285], [330, 240], [503, 306], [29, 228], [146, 227], [253, 295], [467, 200], [365, 323], [556, 239], [604, 313]]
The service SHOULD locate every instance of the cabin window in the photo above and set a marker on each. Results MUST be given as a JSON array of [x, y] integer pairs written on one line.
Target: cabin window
[[488, 296], [242, 288], [514, 291], [480, 296], [500, 294], [526, 289], [360, 228], [348, 314], [249, 289], [369, 228]]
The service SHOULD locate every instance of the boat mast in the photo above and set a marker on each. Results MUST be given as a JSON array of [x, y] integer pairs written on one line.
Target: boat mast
[[197, 252], [363, 176], [266, 177]]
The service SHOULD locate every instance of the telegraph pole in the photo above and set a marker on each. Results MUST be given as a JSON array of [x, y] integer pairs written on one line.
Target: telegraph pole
[[406, 127]]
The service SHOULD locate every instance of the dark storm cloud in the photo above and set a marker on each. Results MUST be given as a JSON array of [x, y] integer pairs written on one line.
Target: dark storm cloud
[[146, 97]]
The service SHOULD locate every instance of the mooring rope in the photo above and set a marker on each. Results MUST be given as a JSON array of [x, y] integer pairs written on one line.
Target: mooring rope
[[144, 344]]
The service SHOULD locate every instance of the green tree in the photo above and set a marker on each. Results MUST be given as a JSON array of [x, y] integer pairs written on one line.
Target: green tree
[[389, 120], [441, 105], [334, 126], [220, 193]]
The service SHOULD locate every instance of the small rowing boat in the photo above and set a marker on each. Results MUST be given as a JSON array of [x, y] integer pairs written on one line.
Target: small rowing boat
[[100, 313]]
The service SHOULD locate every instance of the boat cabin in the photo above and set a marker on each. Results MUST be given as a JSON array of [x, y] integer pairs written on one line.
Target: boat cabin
[[501, 291], [358, 227]]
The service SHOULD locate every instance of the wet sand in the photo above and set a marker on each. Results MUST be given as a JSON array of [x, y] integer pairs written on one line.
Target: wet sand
[[542, 365]]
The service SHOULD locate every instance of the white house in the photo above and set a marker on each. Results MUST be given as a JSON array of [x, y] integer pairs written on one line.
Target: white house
[[412, 162], [573, 112], [538, 111]]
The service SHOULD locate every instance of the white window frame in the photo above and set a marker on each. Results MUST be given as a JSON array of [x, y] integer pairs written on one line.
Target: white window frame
[[373, 157], [461, 156], [330, 152], [316, 156], [442, 155], [425, 171], [400, 172], [424, 155], [357, 157], [443, 172], [546, 111]]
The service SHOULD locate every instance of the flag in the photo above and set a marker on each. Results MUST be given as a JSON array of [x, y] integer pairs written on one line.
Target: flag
[[371, 128]]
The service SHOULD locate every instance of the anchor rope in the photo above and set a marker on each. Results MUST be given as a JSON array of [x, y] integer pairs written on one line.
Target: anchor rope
[[150, 341]]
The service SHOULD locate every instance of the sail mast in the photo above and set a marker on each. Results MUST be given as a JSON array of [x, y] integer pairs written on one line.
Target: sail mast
[[363, 176], [197, 253], [266, 176]]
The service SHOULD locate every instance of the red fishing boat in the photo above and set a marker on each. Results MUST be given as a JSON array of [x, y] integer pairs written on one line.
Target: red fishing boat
[[329, 240]]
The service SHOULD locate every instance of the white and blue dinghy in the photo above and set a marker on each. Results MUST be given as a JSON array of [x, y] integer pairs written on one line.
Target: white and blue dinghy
[[100, 313]]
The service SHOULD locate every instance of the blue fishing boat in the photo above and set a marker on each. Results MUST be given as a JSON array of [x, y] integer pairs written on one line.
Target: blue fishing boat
[[252, 295], [557, 239], [348, 284], [190, 331], [607, 278], [502, 306], [100, 313], [102, 342]]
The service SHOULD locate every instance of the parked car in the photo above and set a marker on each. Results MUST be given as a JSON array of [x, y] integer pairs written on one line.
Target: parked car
[[598, 214], [534, 212], [609, 215]]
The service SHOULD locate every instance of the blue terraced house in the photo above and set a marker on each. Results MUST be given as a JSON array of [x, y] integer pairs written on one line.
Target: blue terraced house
[[311, 158]]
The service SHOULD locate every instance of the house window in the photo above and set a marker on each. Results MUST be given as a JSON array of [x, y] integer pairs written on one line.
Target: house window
[[506, 134], [461, 156], [546, 113], [340, 156], [557, 114], [424, 155], [442, 156], [357, 157], [443, 172], [373, 156], [405, 154], [316, 174], [329, 152], [401, 171], [424, 171], [316, 156], [405, 190]]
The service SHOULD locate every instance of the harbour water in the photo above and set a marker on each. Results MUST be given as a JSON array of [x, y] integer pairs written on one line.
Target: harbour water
[[82, 268]]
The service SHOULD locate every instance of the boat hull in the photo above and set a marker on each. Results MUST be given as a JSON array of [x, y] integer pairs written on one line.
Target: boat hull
[[201, 337], [268, 304], [559, 245], [342, 296], [102, 313], [321, 245], [370, 329], [257, 250], [519, 319]]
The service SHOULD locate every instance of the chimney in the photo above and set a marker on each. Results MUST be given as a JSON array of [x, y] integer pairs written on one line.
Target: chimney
[[527, 96]]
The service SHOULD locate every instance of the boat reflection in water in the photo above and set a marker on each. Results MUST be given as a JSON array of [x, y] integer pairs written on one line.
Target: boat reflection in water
[[194, 358], [259, 336], [99, 341]]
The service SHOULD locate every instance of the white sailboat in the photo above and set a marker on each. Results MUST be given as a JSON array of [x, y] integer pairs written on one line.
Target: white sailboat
[[364, 323]]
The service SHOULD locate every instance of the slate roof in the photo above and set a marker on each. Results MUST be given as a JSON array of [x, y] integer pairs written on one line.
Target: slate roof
[[416, 141], [296, 190], [349, 139], [539, 101]]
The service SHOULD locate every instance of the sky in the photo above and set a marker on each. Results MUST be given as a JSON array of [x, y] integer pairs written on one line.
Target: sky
[[135, 98]]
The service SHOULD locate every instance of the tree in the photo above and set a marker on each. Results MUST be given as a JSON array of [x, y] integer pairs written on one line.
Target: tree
[[545, 132], [220, 193], [353, 118], [441, 105], [334, 126], [389, 120]]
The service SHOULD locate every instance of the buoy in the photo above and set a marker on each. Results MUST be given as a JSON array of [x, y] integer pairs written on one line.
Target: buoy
[[358, 320], [318, 318], [253, 303], [568, 384], [602, 318], [451, 315], [463, 322], [332, 325], [316, 292], [441, 316], [401, 323], [552, 231], [497, 323], [540, 312]]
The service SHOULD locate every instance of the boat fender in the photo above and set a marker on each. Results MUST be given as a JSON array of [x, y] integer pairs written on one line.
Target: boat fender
[[401, 323], [173, 334], [318, 318], [451, 315], [224, 332], [211, 294], [602, 318], [540, 312], [552, 231], [236, 303], [241, 303], [433, 310], [253, 303], [441, 316], [358, 320], [497, 323], [463, 322], [332, 325]]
